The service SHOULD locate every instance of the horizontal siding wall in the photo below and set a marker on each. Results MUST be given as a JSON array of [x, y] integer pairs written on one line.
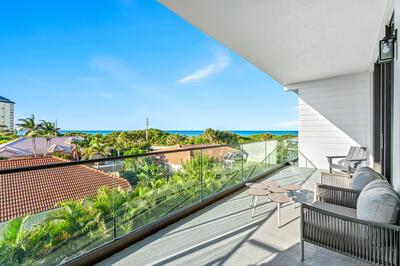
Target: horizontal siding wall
[[334, 114]]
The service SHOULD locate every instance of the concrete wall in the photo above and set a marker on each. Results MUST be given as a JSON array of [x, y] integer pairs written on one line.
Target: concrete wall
[[334, 114]]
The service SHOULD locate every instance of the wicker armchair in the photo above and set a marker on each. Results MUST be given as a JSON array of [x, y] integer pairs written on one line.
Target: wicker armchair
[[336, 179], [342, 232]]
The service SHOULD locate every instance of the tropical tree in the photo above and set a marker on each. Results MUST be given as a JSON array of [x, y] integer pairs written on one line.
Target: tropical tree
[[150, 172], [96, 149], [12, 242], [48, 130], [31, 130]]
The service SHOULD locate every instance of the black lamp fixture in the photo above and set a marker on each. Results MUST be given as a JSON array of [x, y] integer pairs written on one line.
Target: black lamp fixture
[[387, 45]]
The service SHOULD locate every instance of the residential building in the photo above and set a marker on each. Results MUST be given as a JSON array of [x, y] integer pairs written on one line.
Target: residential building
[[39, 191], [26, 147], [6, 114]]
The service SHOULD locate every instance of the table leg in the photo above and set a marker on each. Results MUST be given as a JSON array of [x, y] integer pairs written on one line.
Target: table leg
[[292, 195], [254, 206], [252, 201], [279, 215]]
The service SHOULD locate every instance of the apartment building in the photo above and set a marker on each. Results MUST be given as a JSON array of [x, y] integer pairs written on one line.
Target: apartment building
[[6, 114]]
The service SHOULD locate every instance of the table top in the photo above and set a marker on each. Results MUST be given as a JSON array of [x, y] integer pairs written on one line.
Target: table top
[[270, 183], [293, 187], [278, 197], [277, 189], [257, 185], [258, 192]]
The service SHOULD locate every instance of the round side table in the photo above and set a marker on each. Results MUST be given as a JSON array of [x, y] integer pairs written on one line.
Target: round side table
[[280, 199], [255, 192]]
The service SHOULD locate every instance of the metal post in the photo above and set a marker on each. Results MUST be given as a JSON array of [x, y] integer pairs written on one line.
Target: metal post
[[279, 215], [114, 210], [201, 175], [242, 161], [301, 232], [265, 154], [147, 129]]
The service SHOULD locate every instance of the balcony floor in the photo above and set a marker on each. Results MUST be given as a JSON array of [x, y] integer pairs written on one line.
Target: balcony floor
[[225, 234]]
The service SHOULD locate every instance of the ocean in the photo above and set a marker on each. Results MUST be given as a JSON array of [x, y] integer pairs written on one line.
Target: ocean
[[192, 133]]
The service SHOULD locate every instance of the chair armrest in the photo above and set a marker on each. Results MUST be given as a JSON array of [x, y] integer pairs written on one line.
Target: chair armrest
[[305, 207], [356, 160], [335, 157], [337, 195], [336, 179]]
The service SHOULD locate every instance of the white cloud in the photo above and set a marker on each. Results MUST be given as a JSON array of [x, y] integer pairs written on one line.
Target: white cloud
[[223, 61], [104, 95], [288, 124]]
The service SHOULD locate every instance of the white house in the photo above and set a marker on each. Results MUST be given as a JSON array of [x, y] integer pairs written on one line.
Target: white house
[[23, 147]]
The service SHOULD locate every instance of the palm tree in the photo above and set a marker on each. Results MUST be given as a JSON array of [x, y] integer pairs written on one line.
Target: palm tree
[[12, 248], [77, 149], [31, 130], [48, 130], [96, 149]]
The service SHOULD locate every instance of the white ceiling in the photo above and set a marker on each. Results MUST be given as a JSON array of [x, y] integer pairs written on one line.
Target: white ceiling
[[292, 40]]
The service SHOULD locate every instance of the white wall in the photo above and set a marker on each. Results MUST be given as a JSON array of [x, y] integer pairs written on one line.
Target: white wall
[[396, 124], [334, 114]]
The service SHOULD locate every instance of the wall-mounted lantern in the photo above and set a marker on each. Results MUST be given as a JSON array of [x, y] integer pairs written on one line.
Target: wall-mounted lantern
[[387, 46]]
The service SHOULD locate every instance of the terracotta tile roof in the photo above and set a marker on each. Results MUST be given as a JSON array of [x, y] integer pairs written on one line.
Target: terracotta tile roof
[[37, 191]]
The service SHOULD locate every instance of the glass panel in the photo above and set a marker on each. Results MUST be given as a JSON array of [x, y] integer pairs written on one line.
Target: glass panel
[[221, 168], [56, 214], [254, 159], [160, 185], [51, 216]]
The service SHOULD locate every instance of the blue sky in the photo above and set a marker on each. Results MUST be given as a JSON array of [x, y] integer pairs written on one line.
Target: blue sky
[[109, 64]]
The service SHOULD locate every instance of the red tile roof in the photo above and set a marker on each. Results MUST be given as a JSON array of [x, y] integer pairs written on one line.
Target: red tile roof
[[40, 190]]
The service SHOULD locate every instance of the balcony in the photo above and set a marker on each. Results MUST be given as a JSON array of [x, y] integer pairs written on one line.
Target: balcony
[[224, 233], [54, 211], [59, 212]]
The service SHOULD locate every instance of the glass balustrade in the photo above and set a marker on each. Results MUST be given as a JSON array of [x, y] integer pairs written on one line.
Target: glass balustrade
[[52, 215]]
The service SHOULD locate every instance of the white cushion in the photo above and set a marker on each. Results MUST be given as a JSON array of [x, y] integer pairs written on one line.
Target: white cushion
[[363, 176], [378, 202]]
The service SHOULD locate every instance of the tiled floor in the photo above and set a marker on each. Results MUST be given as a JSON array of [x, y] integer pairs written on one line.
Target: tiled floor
[[225, 234]]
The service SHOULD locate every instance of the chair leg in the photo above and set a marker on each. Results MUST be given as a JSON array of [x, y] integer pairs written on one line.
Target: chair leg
[[252, 201], [254, 207], [302, 249]]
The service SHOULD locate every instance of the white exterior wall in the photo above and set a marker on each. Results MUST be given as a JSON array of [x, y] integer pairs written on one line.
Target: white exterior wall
[[334, 114], [7, 115]]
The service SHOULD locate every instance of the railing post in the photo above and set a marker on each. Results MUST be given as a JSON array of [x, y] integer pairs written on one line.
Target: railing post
[[113, 201], [265, 154], [201, 175], [242, 161]]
